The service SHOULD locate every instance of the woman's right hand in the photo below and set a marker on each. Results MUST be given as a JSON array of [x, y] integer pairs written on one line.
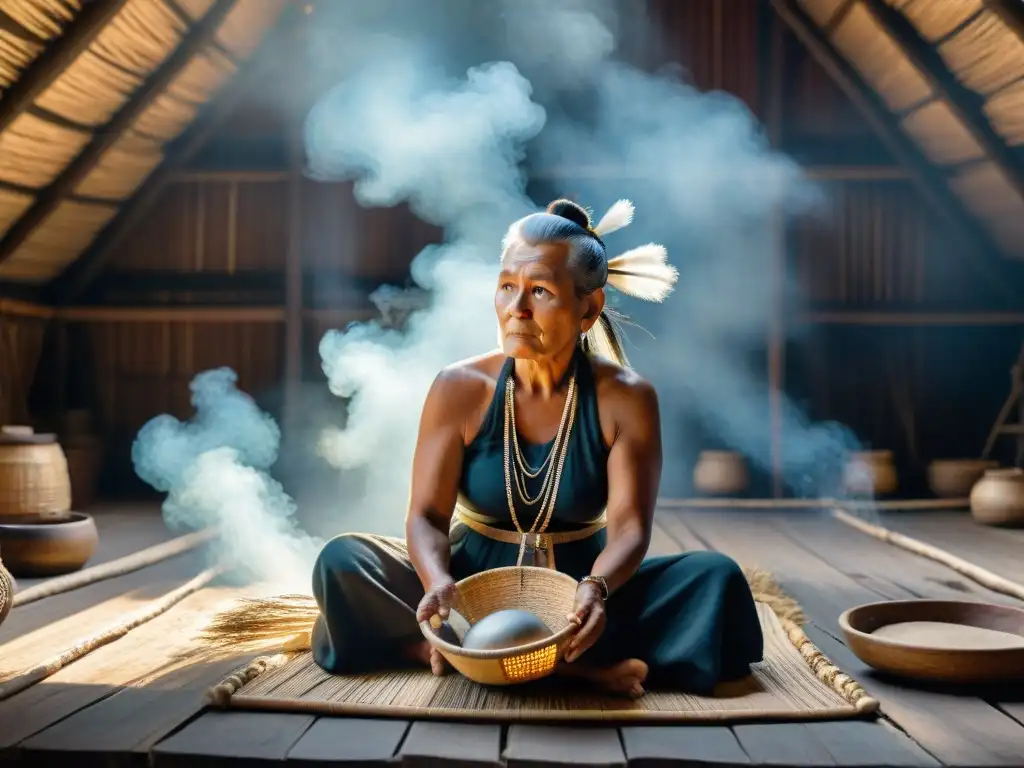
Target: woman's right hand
[[436, 602]]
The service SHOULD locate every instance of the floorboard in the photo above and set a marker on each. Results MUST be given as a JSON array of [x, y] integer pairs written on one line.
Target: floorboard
[[232, 738], [459, 745], [881, 567], [958, 731], [998, 549], [542, 746], [339, 741], [658, 747], [788, 744]]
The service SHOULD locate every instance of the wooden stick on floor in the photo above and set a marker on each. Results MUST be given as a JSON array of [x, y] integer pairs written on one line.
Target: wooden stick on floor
[[892, 504], [51, 666], [118, 567], [975, 573]]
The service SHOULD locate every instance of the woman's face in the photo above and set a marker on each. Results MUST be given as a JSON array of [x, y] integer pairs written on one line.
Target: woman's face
[[539, 311]]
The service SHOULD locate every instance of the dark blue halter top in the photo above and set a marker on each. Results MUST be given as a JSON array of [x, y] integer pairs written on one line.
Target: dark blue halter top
[[583, 489]]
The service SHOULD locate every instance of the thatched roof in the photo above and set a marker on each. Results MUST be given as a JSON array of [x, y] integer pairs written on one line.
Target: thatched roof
[[949, 75], [92, 92]]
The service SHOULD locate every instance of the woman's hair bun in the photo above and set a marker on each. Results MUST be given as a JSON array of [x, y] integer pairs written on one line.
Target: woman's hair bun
[[574, 212]]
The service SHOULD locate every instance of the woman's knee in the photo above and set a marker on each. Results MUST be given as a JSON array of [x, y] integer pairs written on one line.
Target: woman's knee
[[342, 555], [713, 566]]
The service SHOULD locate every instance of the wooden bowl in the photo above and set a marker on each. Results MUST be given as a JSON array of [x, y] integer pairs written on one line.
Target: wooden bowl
[[36, 549], [939, 640], [544, 592]]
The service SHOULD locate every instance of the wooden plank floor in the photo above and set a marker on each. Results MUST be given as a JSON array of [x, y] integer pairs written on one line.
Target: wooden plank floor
[[135, 702]]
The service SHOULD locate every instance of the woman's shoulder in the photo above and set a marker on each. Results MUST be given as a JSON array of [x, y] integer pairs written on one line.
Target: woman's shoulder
[[464, 385], [622, 387], [480, 371]]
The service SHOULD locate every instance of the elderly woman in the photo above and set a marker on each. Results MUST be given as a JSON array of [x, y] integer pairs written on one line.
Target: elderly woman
[[546, 451]]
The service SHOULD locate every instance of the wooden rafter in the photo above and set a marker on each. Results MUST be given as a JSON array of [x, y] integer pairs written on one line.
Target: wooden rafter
[[105, 137], [932, 185], [77, 276], [1011, 12], [61, 52], [965, 104]]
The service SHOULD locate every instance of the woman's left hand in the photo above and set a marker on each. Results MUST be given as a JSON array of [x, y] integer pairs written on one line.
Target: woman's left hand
[[588, 613]]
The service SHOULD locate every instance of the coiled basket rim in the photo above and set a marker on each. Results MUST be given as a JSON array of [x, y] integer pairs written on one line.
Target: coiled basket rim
[[557, 638]]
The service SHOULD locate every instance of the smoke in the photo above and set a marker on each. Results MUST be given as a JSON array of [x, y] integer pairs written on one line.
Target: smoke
[[446, 106], [443, 116], [215, 471]]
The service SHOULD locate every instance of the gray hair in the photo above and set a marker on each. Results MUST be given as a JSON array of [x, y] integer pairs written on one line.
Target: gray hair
[[588, 260]]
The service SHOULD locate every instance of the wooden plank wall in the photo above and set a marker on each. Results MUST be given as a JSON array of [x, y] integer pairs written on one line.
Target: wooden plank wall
[[21, 344], [867, 346]]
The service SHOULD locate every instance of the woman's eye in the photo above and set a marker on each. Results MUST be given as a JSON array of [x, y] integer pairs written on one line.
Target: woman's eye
[[506, 286], [538, 291]]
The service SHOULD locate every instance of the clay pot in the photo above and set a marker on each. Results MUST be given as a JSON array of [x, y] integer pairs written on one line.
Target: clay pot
[[998, 498], [37, 549], [721, 473], [869, 473], [34, 479], [954, 478]]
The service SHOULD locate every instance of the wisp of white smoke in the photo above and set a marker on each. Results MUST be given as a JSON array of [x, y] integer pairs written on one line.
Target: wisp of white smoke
[[215, 469]]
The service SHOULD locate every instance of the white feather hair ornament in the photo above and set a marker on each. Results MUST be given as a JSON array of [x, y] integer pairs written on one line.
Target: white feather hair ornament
[[618, 216], [643, 273]]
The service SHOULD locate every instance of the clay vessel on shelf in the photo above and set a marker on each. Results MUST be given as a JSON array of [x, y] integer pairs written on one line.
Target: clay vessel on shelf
[[721, 473], [869, 473], [998, 498], [954, 478]]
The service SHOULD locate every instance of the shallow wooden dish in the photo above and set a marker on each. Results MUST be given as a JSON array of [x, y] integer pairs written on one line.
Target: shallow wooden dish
[[946, 655]]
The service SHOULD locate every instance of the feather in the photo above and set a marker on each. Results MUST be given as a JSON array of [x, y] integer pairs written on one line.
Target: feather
[[618, 216], [643, 272]]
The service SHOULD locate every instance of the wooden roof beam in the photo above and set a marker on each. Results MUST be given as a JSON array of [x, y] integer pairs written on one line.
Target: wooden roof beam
[[931, 184], [49, 198], [966, 105], [79, 275], [1011, 12], [59, 53]]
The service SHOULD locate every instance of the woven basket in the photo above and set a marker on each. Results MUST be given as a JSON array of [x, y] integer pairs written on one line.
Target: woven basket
[[6, 592], [546, 593], [34, 477]]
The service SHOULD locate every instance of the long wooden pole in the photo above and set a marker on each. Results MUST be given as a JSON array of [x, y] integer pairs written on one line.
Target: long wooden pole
[[776, 326], [293, 262]]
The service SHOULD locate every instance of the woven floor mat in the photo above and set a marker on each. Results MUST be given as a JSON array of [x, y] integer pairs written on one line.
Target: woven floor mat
[[795, 682]]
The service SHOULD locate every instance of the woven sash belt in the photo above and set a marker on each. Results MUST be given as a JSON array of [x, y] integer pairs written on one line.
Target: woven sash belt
[[540, 547]]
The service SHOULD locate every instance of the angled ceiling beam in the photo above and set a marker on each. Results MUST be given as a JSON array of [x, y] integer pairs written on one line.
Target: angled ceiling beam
[[931, 184], [1011, 12], [78, 276], [967, 105], [59, 53], [50, 197]]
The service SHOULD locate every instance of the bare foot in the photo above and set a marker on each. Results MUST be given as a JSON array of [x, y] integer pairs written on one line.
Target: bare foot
[[424, 654], [625, 678]]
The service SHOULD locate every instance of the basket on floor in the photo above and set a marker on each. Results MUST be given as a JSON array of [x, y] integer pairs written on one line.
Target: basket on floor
[[545, 592]]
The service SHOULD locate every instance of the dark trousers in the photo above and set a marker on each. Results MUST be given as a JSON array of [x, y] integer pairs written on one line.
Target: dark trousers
[[691, 617]]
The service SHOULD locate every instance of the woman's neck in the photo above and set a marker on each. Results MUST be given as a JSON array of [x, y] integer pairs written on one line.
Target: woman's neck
[[546, 376]]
